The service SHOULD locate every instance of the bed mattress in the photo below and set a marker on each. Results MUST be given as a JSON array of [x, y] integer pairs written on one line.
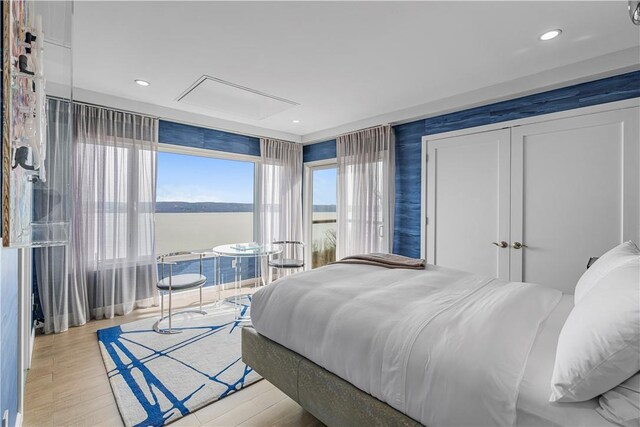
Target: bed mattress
[[443, 346]]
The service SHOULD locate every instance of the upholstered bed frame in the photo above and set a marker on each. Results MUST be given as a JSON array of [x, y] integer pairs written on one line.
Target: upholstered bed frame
[[328, 397]]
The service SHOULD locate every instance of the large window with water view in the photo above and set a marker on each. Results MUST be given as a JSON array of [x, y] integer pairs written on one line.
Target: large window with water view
[[202, 202], [323, 221]]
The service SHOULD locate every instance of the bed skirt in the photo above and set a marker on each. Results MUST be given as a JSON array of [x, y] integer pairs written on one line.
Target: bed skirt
[[326, 396]]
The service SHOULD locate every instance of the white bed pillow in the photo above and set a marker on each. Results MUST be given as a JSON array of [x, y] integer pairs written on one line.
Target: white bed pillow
[[599, 345], [615, 257], [621, 405]]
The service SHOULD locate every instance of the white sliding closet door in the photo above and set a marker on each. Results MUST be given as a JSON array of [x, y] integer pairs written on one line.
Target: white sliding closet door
[[574, 194], [468, 203]]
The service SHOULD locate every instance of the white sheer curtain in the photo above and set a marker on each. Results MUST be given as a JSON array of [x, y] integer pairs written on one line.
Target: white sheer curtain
[[109, 265], [114, 203], [280, 191], [366, 166], [61, 304]]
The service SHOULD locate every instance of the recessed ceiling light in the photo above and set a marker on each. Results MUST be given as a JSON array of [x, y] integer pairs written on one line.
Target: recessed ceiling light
[[550, 35], [142, 82], [295, 121]]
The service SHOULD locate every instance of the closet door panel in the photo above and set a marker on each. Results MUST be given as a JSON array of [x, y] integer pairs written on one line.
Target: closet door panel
[[467, 202], [575, 191]]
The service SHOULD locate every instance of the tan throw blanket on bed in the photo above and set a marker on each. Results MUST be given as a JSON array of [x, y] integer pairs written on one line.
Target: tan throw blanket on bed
[[384, 260]]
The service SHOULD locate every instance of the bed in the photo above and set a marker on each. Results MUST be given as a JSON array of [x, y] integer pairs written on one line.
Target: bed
[[364, 345]]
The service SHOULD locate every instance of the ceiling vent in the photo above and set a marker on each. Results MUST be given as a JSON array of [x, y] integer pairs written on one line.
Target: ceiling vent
[[232, 99]]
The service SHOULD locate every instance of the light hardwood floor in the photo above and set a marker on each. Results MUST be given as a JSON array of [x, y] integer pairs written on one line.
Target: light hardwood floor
[[68, 386]]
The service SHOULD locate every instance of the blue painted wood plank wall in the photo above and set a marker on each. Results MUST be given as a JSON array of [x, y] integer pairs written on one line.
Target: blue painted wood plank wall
[[319, 151], [409, 137], [210, 139]]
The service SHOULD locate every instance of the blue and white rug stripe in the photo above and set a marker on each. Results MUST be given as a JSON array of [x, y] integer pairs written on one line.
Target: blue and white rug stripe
[[157, 379]]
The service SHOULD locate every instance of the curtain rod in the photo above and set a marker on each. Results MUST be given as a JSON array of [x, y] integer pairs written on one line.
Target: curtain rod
[[102, 106], [360, 130]]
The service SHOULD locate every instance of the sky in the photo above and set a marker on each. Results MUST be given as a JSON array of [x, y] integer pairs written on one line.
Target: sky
[[187, 178], [324, 186]]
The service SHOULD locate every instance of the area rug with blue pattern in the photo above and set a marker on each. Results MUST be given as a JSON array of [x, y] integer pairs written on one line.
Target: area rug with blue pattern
[[157, 379]]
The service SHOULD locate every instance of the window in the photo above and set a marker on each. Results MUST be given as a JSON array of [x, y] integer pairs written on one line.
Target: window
[[203, 201], [322, 227], [117, 201]]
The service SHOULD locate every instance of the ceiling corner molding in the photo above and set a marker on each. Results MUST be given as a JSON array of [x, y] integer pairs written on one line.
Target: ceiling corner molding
[[600, 67], [171, 114]]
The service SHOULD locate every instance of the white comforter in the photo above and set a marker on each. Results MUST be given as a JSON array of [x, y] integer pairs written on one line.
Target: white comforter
[[445, 347]]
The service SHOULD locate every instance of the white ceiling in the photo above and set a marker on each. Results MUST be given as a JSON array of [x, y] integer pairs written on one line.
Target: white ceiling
[[345, 63]]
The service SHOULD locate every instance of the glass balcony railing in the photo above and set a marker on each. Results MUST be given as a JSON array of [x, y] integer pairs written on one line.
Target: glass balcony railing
[[177, 231], [323, 233]]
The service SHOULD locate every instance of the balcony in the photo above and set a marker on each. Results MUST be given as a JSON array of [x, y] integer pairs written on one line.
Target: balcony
[[191, 231], [323, 238]]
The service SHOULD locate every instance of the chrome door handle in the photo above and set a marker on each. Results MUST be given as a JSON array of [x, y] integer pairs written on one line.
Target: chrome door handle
[[518, 245], [502, 244]]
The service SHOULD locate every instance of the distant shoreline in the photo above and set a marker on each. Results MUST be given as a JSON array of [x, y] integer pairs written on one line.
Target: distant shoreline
[[199, 207]]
